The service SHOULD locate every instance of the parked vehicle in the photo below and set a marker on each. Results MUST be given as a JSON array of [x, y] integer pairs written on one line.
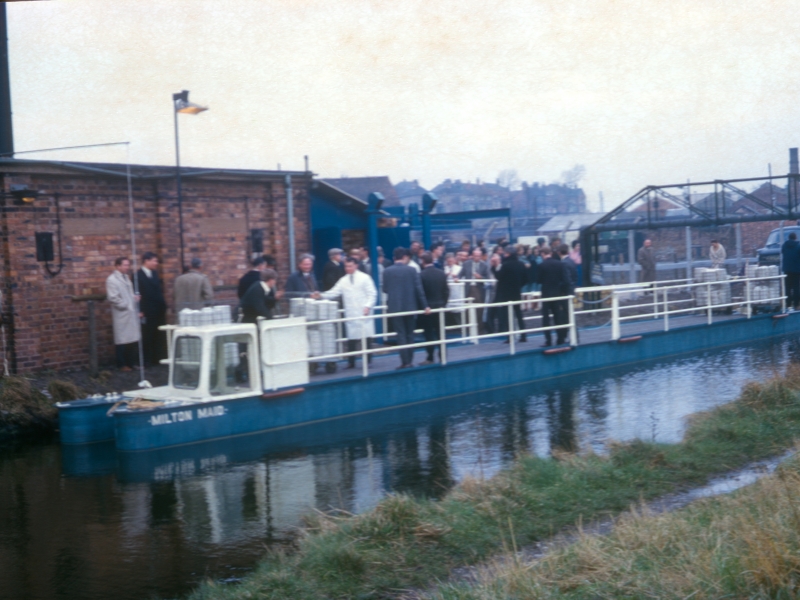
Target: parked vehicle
[[770, 254]]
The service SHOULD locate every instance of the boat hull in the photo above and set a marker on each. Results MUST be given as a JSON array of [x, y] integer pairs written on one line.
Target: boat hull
[[85, 421], [318, 402]]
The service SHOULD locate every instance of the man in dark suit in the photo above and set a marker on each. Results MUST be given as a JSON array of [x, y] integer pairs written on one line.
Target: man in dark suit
[[152, 310], [572, 268], [333, 270], [252, 276], [302, 283], [260, 298], [437, 292], [554, 280], [403, 288], [476, 268], [511, 278]]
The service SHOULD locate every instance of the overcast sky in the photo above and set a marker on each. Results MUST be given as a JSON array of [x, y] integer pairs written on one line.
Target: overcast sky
[[640, 92]]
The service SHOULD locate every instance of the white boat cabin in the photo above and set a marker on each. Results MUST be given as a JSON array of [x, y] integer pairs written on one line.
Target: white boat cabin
[[208, 363]]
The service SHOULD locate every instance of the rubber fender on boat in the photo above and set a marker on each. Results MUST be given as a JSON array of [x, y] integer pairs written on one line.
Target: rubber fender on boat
[[282, 393], [558, 350], [627, 340]]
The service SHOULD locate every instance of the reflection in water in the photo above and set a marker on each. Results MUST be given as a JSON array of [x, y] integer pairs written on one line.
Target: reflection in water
[[88, 522]]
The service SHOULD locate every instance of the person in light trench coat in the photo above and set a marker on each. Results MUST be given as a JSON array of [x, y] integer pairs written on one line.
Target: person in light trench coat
[[124, 314], [358, 294]]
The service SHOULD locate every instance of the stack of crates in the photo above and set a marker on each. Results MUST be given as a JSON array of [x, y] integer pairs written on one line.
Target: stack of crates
[[321, 336], [767, 291], [716, 294], [210, 315]]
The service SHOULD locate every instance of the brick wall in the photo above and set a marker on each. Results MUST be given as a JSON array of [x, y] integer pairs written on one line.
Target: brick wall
[[48, 328]]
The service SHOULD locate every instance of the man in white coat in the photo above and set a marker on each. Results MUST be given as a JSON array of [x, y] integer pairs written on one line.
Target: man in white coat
[[124, 313], [358, 294]]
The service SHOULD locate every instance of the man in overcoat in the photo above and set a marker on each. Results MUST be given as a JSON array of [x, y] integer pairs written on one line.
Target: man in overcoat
[[302, 283], [790, 257], [646, 257], [193, 289], [437, 292], [260, 298], [555, 282], [476, 268], [153, 309], [403, 289], [511, 277], [333, 270], [124, 314], [259, 265]]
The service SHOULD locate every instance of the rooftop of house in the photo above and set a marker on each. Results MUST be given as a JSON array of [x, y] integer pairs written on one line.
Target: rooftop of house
[[362, 187]]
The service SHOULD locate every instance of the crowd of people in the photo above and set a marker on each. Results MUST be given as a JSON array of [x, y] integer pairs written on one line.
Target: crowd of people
[[414, 279]]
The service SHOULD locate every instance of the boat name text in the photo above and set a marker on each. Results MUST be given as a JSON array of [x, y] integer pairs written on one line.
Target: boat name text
[[179, 416]]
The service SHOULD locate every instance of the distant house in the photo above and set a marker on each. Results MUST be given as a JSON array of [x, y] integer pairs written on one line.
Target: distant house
[[456, 196], [410, 192], [362, 187]]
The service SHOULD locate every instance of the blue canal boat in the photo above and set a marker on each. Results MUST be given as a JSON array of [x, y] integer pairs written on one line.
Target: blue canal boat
[[231, 380]]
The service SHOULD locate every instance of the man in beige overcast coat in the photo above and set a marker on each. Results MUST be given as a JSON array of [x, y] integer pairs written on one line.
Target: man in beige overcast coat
[[124, 313]]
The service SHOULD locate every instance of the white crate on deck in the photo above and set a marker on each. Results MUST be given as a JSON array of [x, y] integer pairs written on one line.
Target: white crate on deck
[[284, 340], [456, 294], [210, 315], [715, 294]]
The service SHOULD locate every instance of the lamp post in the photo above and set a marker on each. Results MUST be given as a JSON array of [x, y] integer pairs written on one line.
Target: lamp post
[[181, 104]]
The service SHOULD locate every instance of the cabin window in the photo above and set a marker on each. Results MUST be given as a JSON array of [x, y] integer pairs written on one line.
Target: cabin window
[[230, 365], [186, 365]]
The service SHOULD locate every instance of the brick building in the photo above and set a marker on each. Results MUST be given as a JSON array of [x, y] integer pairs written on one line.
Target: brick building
[[85, 205]]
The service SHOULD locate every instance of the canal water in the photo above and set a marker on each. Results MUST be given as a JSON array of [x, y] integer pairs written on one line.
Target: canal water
[[85, 522]]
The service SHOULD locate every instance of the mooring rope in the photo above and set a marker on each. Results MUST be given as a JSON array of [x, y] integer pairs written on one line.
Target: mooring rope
[[135, 404]]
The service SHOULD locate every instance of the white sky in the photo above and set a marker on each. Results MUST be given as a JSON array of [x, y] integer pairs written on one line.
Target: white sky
[[640, 92]]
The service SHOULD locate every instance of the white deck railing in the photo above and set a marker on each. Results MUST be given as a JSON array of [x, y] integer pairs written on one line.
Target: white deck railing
[[686, 300]]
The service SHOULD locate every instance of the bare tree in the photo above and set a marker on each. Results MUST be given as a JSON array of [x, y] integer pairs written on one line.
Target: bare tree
[[508, 178], [573, 177]]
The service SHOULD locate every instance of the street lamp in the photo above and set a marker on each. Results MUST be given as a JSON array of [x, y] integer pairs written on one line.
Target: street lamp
[[181, 104]]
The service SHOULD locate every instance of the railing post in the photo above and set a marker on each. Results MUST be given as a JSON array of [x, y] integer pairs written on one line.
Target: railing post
[[462, 314], [783, 293], [573, 329], [511, 341], [364, 360], [473, 322], [666, 311], [747, 298], [708, 296], [442, 339], [615, 335], [655, 301]]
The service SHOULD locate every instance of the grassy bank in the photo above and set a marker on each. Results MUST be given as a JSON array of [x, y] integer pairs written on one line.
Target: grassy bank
[[27, 411], [406, 542], [742, 546], [24, 410]]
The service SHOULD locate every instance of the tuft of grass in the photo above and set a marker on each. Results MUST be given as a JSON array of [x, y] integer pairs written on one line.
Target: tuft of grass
[[64, 391], [24, 408], [410, 543], [746, 545]]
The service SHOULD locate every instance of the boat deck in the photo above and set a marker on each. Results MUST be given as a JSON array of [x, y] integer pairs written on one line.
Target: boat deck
[[459, 351]]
